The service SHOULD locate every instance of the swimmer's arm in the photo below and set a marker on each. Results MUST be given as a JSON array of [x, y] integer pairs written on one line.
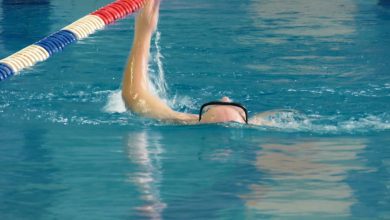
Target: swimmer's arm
[[135, 89], [149, 105]]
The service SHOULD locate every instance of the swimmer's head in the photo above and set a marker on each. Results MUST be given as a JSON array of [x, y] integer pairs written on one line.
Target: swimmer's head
[[223, 113]]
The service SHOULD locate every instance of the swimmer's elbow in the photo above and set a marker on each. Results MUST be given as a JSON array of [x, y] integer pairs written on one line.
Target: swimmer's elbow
[[148, 106], [129, 98], [136, 102]]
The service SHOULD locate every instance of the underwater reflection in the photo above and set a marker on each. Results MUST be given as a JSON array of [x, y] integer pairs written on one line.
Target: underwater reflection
[[28, 188], [315, 18], [144, 151], [294, 35], [305, 178]]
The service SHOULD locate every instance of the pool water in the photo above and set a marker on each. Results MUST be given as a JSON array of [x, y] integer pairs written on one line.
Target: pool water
[[69, 150]]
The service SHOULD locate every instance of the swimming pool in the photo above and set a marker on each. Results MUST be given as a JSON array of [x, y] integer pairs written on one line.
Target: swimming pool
[[69, 151]]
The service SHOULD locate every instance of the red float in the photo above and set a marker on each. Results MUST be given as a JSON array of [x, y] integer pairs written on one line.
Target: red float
[[118, 9], [129, 5], [122, 11]]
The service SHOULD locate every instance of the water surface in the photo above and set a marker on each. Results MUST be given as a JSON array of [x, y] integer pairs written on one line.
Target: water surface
[[70, 151]]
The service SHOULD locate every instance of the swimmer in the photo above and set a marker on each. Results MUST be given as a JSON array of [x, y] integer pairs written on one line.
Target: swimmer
[[140, 100]]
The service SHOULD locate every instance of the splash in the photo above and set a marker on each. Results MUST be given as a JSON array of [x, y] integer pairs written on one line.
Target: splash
[[156, 70], [294, 121], [157, 81], [276, 120], [115, 103]]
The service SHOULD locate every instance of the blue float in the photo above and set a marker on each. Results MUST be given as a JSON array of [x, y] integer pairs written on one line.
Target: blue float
[[3, 76], [61, 38], [48, 46], [57, 41], [60, 43], [66, 35], [5, 71], [69, 34]]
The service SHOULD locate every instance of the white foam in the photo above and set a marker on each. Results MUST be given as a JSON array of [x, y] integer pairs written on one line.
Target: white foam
[[115, 103], [182, 102], [295, 121]]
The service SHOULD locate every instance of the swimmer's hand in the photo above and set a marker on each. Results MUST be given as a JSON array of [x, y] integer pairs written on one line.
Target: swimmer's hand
[[147, 18]]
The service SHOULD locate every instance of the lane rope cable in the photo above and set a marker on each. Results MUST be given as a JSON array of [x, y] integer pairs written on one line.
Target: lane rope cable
[[56, 42]]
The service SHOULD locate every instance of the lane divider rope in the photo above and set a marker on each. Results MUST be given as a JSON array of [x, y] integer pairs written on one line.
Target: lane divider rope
[[56, 42]]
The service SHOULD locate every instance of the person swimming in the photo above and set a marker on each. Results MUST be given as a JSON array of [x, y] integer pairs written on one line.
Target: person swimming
[[141, 100]]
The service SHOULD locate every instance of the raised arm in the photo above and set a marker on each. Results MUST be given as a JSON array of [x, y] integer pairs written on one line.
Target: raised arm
[[135, 86]]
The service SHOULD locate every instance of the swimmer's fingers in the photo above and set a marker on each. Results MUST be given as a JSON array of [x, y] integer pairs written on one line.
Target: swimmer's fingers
[[151, 8], [156, 5], [147, 19]]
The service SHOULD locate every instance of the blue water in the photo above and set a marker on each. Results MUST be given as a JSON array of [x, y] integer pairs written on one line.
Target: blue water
[[68, 150]]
